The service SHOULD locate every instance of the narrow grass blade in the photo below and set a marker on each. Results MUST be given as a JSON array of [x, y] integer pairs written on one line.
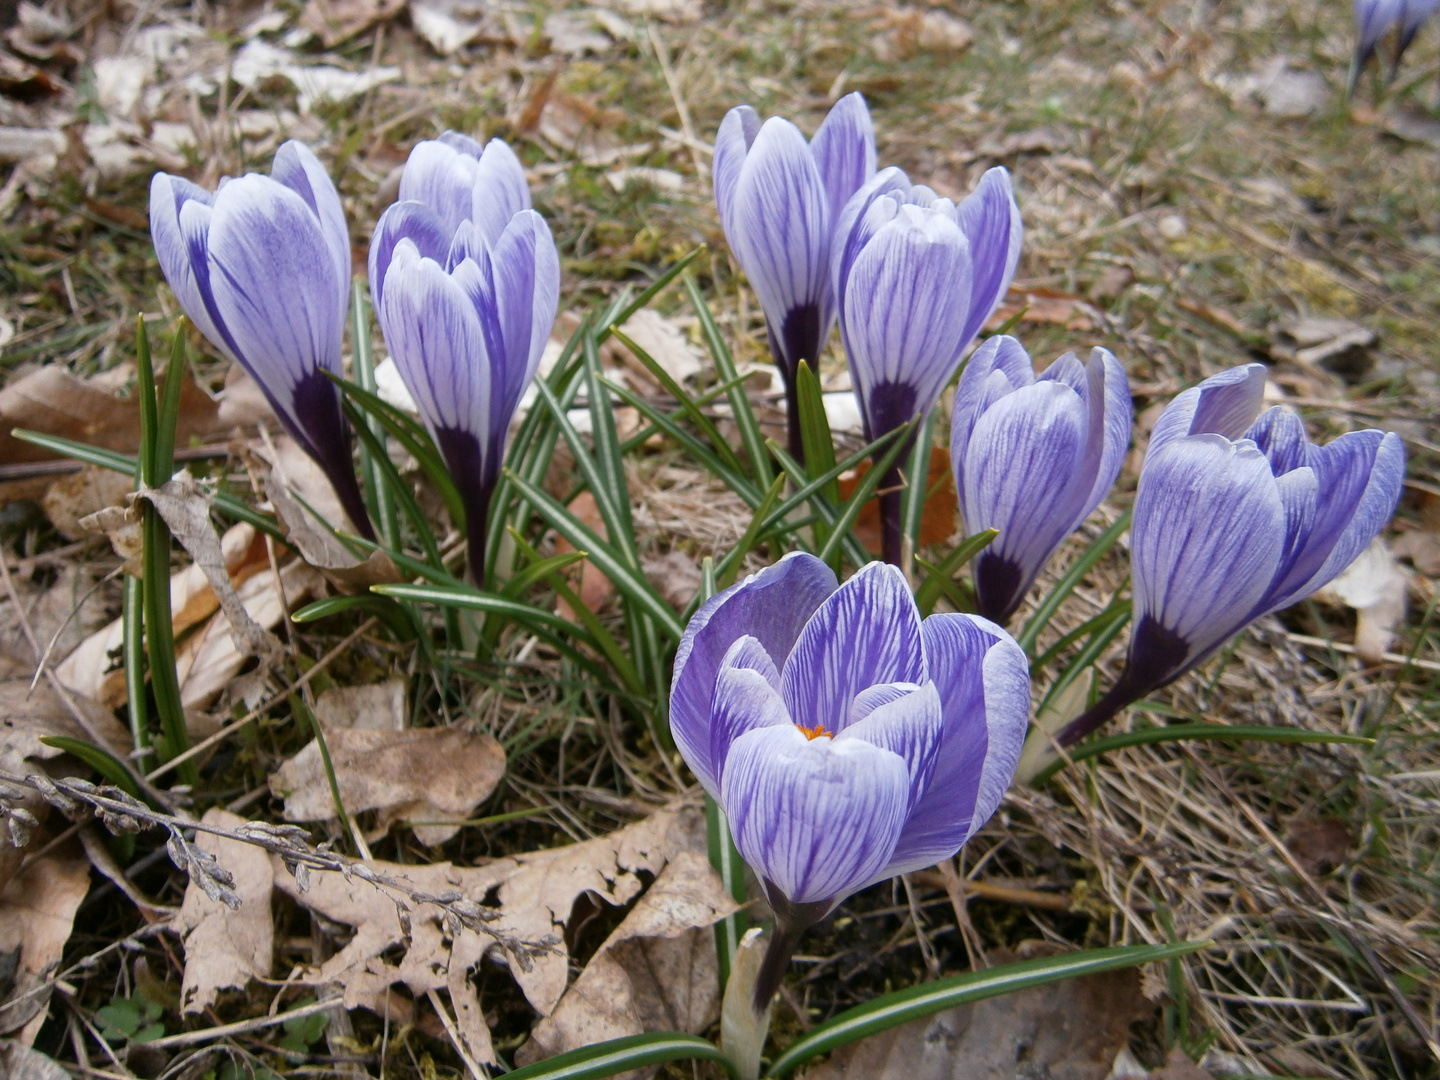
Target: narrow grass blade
[[299, 705], [861, 495], [687, 403], [403, 497], [631, 584], [225, 503], [826, 513], [102, 761], [388, 611], [929, 998], [1118, 609], [729, 567], [622, 1055], [731, 868], [379, 497], [133, 644], [943, 572], [539, 571], [750, 436], [1179, 732], [169, 411], [1085, 659], [912, 499], [960, 595], [1066, 585], [463, 596], [621, 315], [610, 465], [815, 435]]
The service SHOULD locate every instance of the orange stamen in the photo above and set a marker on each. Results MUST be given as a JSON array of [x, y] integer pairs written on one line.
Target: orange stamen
[[815, 732]]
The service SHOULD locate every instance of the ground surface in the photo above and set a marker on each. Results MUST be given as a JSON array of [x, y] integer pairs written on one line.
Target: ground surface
[[1196, 191]]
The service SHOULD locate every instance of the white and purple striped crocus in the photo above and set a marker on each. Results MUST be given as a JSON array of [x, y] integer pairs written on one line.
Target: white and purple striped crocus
[[1033, 458], [779, 199], [1237, 516], [915, 278], [846, 739], [466, 281], [262, 267]]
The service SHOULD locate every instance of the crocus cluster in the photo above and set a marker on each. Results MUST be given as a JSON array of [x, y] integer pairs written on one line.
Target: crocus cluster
[[846, 739], [1033, 458], [465, 279], [1375, 18], [1237, 515], [262, 267]]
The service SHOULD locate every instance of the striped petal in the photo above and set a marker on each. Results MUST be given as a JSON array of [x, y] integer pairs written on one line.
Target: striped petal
[[844, 151], [297, 167], [413, 221], [732, 145], [441, 174], [746, 696], [907, 720], [500, 191], [180, 214], [1224, 404], [816, 818], [991, 221], [998, 366], [866, 633]]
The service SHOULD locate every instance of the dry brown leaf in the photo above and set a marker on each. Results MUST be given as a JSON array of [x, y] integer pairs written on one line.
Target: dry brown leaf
[[1068, 1031], [81, 494], [60, 614], [242, 402], [90, 669], [208, 661], [186, 510], [1319, 844], [676, 575], [1375, 586], [911, 30], [1178, 1066], [656, 972], [676, 11], [225, 949], [664, 341], [37, 913], [595, 588], [1043, 306], [937, 522], [1422, 546], [537, 893], [1340, 346], [334, 21], [377, 707], [19, 1062], [295, 477], [434, 775]]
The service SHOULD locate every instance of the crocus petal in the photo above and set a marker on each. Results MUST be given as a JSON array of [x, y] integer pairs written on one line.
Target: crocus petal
[[274, 285], [413, 221], [1207, 538], [746, 696], [435, 337], [1116, 413], [998, 365], [844, 150], [816, 818], [500, 191], [910, 725], [180, 214], [732, 144], [780, 233], [442, 176], [867, 632], [1280, 435], [1359, 478], [857, 223], [991, 221], [1023, 472], [527, 293], [772, 606], [297, 167], [983, 681], [1224, 404], [903, 316]]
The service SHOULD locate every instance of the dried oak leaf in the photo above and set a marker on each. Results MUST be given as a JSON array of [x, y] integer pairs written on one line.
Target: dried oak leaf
[[656, 972], [37, 914], [1067, 1031], [19, 1062], [434, 775], [224, 948], [334, 21], [536, 894]]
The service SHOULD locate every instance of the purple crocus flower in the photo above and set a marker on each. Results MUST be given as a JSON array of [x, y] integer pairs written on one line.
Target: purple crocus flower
[[915, 278], [1413, 15], [846, 740], [1236, 517], [1373, 18], [466, 281], [779, 199], [262, 267], [1033, 457]]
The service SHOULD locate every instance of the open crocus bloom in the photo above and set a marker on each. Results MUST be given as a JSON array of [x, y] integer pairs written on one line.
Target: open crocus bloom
[[1236, 517], [779, 199], [262, 267], [1033, 457], [846, 740]]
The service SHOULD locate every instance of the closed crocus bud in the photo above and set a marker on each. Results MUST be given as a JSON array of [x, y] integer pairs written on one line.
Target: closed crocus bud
[[1372, 19], [1033, 458], [1413, 15], [1228, 529], [916, 276], [780, 199], [262, 267], [466, 333], [846, 739]]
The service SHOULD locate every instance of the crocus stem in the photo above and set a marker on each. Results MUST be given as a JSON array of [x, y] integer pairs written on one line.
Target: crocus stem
[[891, 494], [783, 940], [1127, 690], [794, 443], [477, 516]]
